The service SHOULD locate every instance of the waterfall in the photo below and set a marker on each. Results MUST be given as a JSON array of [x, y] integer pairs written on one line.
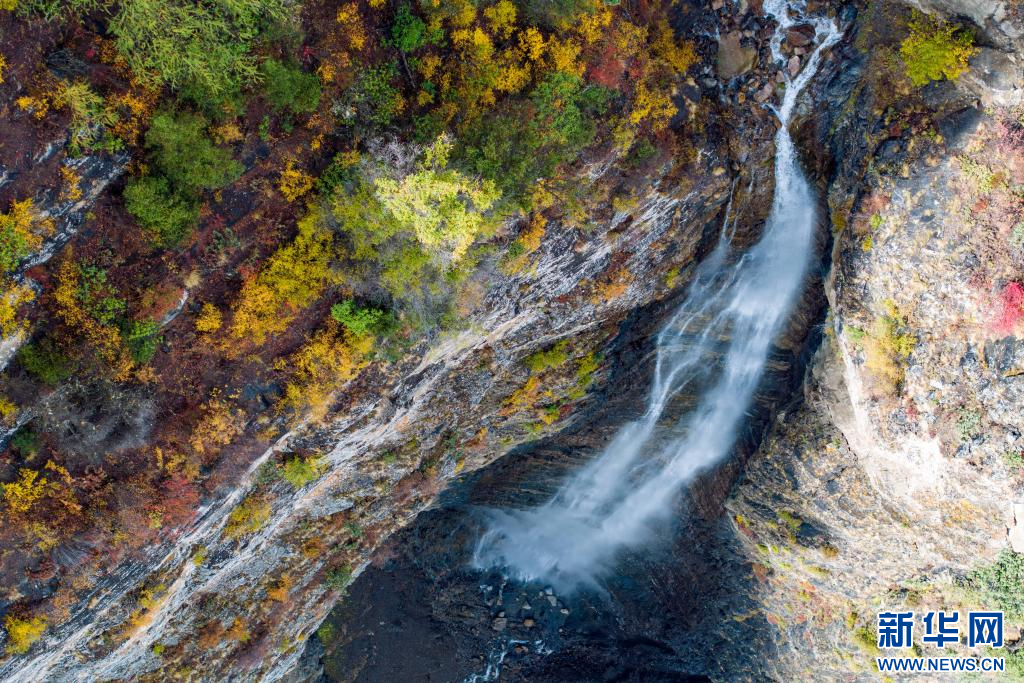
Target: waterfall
[[619, 500]]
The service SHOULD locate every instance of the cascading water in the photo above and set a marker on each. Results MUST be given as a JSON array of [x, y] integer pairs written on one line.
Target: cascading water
[[617, 501]]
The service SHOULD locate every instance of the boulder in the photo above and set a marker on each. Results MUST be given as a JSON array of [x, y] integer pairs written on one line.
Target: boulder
[[733, 58]]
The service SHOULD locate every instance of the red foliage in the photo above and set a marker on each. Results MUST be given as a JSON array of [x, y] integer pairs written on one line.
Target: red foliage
[[608, 69], [180, 500], [1009, 308]]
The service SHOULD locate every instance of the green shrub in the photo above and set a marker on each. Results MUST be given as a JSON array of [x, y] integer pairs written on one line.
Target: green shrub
[[550, 358], [167, 217], [290, 89], [377, 101], [552, 127], [339, 578], [186, 162], [299, 471], [26, 442], [935, 50], [58, 9], [45, 362], [180, 150], [1000, 585], [360, 321], [968, 424], [142, 340]]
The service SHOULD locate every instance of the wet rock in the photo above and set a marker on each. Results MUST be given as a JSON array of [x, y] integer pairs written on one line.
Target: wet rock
[[800, 35], [734, 59], [499, 624], [793, 65], [529, 623]]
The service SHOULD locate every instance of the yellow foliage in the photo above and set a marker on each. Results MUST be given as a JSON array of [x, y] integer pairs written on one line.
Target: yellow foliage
[[8, 410], [592, 26], [248, 518], [564, 56], [513, 74], [279, 593], [321, 367], [428, 66], [348, 17], [24, 492], [532, 43], [502, 17], [291, 280], [38, 106], [218, 426], [630, 39], [680, 56], [532, 236], [294, 182], [3, 65], [656, 107], [11, 299], [226, 133], [71, 191], [209, 319], [21, 633]]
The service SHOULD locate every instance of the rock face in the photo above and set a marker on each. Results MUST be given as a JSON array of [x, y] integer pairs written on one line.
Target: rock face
[[888, 481]]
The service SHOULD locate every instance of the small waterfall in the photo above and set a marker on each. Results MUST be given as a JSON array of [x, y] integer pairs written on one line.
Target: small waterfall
[[618, 501]]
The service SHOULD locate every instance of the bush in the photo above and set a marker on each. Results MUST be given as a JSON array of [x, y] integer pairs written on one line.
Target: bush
[[408, 33], [552, 127], [167, 217], [551, 358], [339, 578], [1000, 585], [181, 151], [360, 321], [300, 471], [142, 340], [290, 89], [375, 99], [45, 362], [248, 518], [21, 633], [935, 50]]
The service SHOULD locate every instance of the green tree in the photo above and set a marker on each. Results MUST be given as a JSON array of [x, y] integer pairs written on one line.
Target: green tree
[[203, 49], [167, 217], [180, 149], [288, 88]]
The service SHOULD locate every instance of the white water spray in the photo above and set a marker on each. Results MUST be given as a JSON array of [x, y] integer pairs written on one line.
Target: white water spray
[[617, 501]]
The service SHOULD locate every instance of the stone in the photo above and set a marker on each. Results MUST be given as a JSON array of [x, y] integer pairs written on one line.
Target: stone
[[800, 35], [764, 93], [499, 624], [734, 59], [996, 78], [794, 65], [552, 600], [717, 5], [528, 623]]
